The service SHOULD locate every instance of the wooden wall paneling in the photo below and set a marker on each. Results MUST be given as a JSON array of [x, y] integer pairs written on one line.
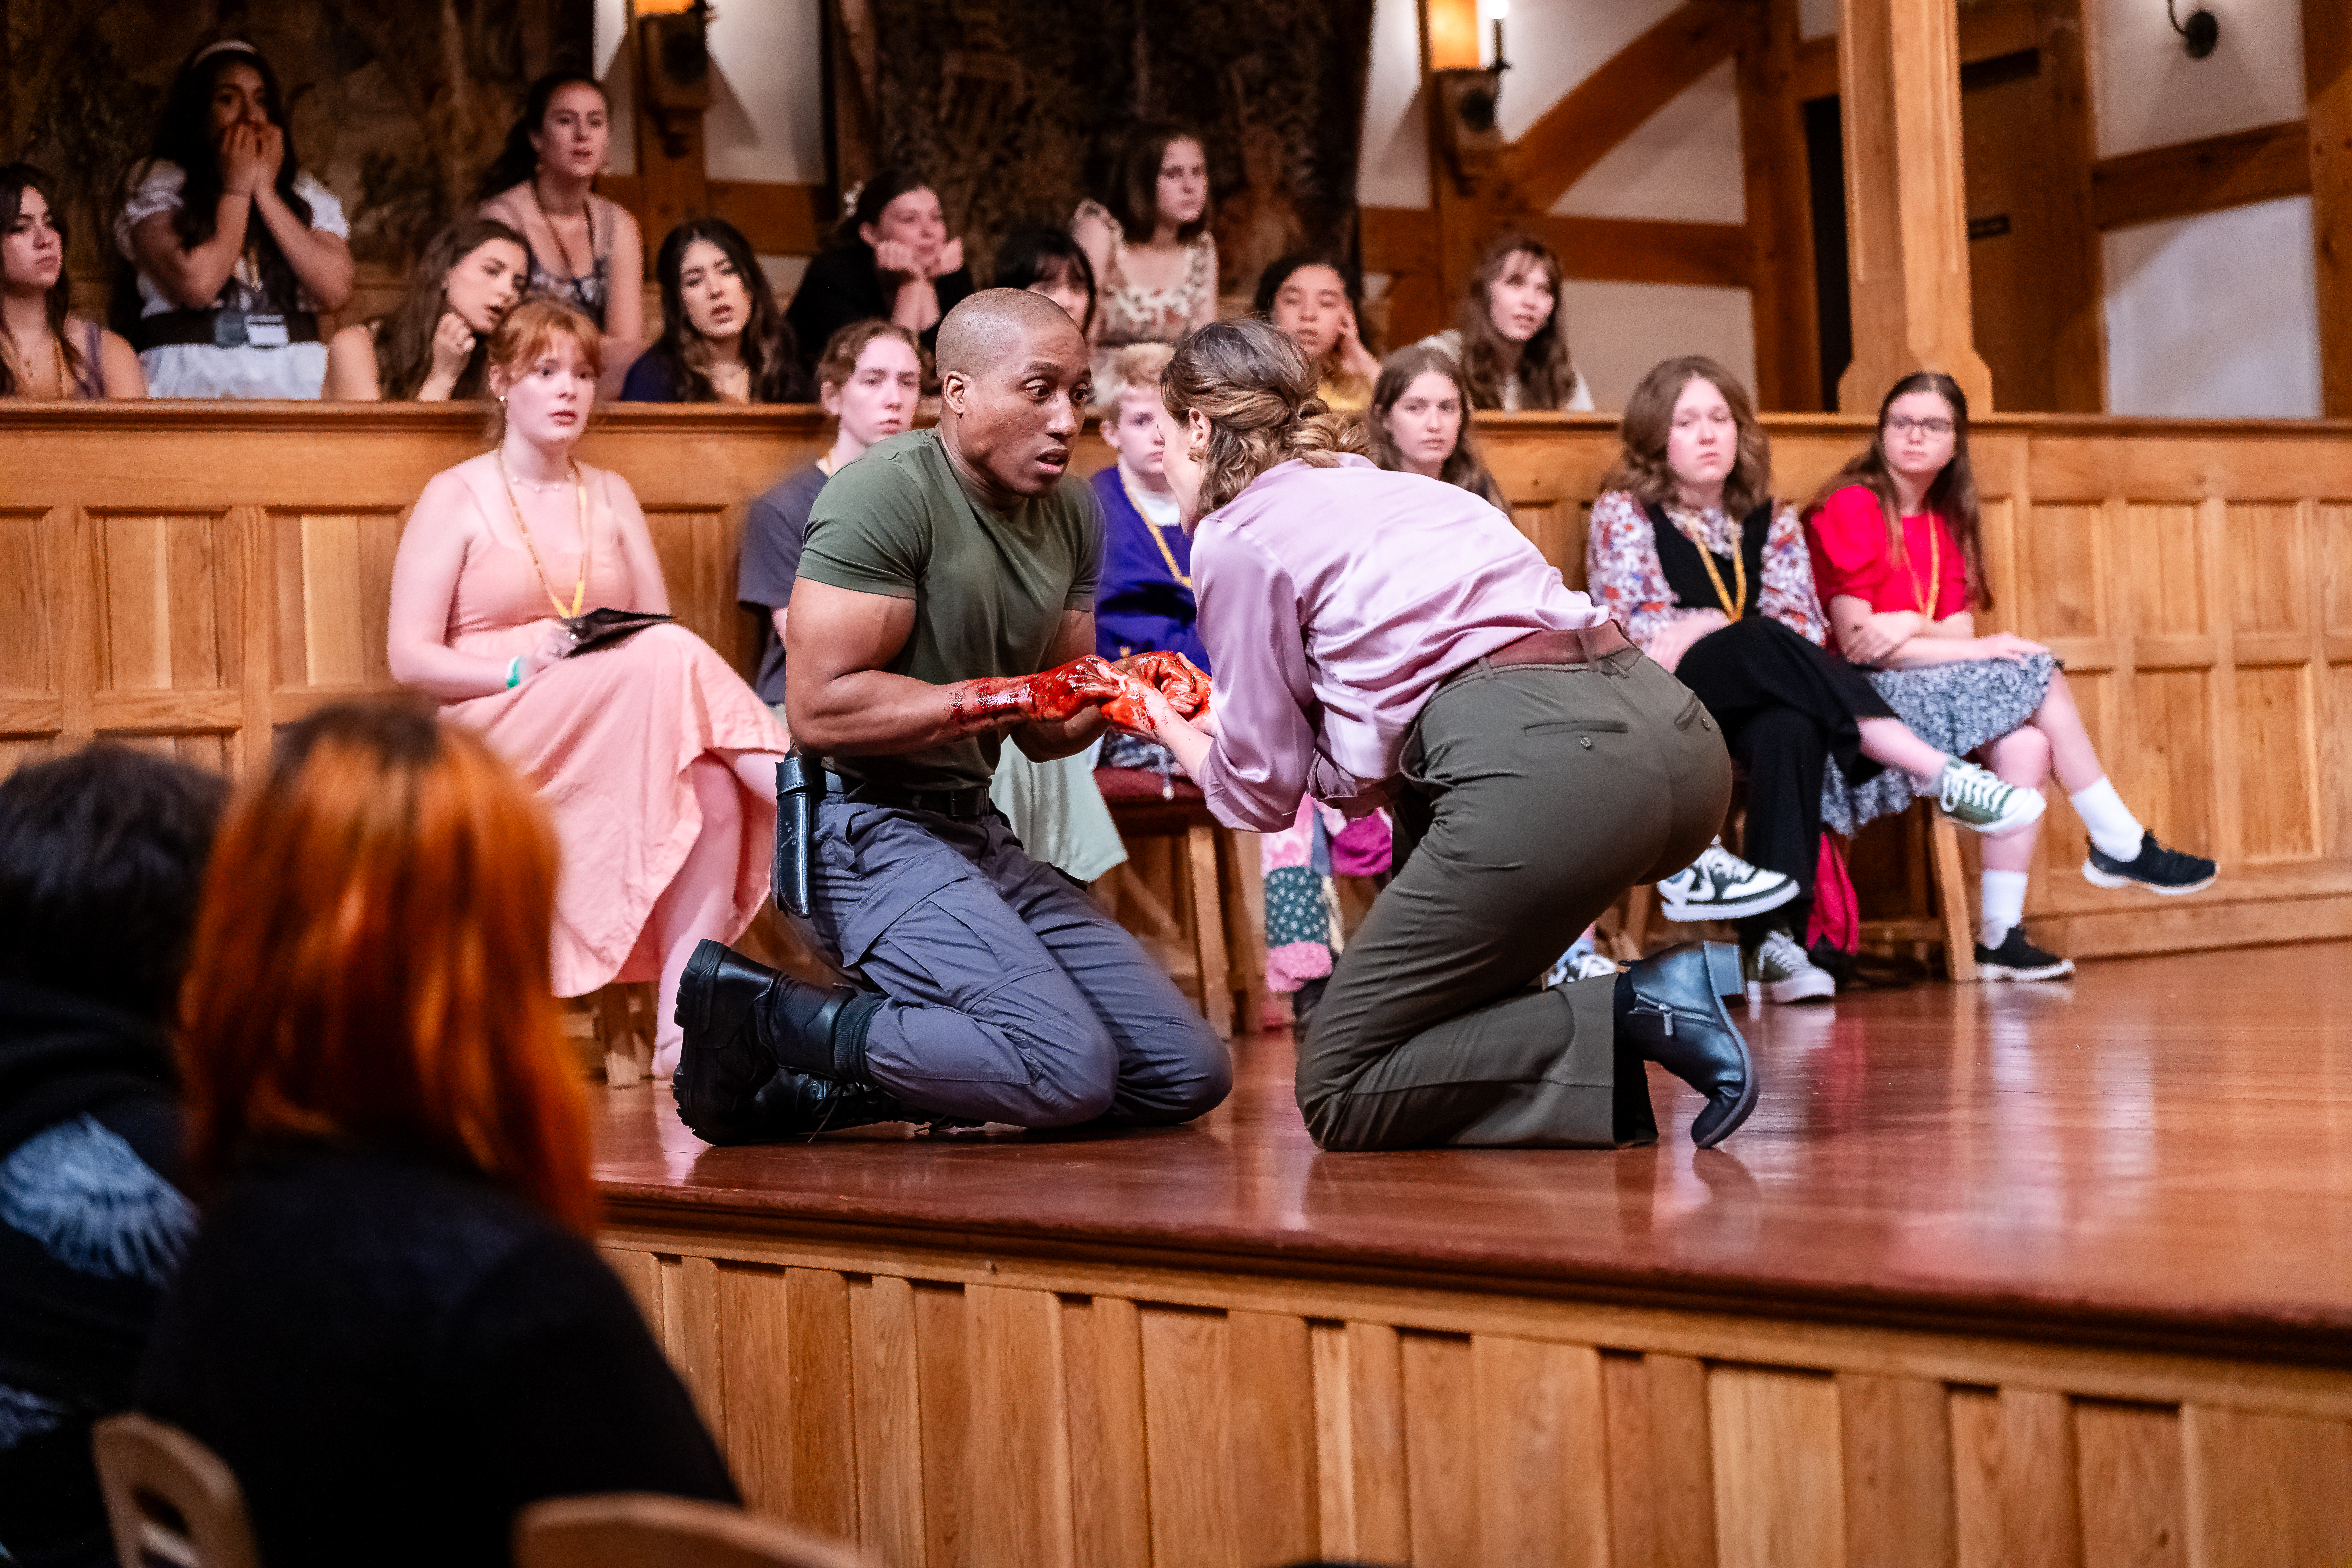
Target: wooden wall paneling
[[691, 1332], [819, 1429], [1271, 1438], [1633, 1491], [2327, 110], [256, 548], [2219, 739], [1335, 1426], [32, 608], [1378, 1489], [2190, 177], [1017, 1455], [1110, 1495], [759, 1399], [2131, 1485], [943, 1359], [1186, 1378], [1896, 1458], [1541, 1453], [2267, 1490], [1685, 1465], [888, 1420], [1646, 251], [641, 1273], [1779, 1494], [1778, 204], [1975, 1422], [2039, 1501], [1441, 1421]]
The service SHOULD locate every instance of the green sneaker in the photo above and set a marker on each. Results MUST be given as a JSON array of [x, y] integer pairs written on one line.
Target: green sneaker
[[1974, 797]]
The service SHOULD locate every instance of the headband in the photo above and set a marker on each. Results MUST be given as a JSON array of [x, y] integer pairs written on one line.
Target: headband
[[239, 45]]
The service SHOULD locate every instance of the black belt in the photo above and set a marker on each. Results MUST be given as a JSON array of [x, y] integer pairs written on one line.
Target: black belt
[[203, 327], [967, 804]]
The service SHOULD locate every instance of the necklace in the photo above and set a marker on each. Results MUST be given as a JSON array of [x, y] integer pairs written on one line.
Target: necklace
[[24, 367], [1157, 538], [562, 248], [579, 588], [1925, 592], [1734, 603]]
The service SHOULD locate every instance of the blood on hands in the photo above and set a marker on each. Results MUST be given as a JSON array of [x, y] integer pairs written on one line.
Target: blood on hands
[[1174, 676], [1048, 697]]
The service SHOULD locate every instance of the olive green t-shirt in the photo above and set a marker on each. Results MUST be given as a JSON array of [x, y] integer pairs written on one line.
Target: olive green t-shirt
[[990, 588]]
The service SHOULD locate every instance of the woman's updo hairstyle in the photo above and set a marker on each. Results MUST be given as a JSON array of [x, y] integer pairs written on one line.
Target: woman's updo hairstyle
[[1256, 387]]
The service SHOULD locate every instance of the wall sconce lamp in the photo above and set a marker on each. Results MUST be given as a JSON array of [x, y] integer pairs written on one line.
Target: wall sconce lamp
[[675, 51], [2198, 34], [1468, 138]]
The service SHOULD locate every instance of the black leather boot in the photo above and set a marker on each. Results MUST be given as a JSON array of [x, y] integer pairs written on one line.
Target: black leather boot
[[795, 1104], [743, 1021], [1670, 1011]]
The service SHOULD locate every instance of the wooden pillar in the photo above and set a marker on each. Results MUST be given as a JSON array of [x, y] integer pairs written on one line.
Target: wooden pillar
[[2078, 355], [1779, 213], [1464, 162], [1906, 215], [675, 184], [2328, 90]]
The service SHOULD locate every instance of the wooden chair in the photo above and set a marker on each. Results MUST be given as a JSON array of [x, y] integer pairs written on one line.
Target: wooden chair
[[170, 1500], [641, 1530], [1208, 923]]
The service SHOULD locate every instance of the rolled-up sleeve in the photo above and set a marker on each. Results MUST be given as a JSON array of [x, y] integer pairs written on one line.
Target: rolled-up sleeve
[[1264, 754]]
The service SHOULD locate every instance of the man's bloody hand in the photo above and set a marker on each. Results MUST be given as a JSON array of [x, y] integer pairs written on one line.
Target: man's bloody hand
[[1048, 697], [1174, 676]]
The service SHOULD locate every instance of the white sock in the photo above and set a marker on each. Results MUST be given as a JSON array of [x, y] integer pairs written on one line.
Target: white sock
[[2113, 830], [2004, 906]]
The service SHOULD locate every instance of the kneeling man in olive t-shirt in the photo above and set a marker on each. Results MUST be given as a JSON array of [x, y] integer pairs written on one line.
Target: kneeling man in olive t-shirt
[[946, 600]]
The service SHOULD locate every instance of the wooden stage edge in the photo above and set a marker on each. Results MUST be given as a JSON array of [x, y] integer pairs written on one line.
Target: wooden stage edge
[[2055, 1274]]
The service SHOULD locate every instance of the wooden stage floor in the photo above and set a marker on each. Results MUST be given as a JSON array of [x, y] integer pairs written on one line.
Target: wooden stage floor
[[2053, 1275], [2158, 1146]]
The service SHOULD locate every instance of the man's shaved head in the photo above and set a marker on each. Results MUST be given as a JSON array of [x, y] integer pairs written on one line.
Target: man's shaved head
[[989, 327], [1013, 389]]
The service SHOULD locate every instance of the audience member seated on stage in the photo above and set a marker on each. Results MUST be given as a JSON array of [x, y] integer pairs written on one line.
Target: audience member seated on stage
[[1420, 423], [1509, 340], [1895, 554], [1048, 261], [1709, 575], [1457, 678], [1314, 298], [890, 258], [237, 248], [1145, 601], [585, 251], [946, 603], [723, 337], [658, 763], [1150, 246], [46, 350], [102, 857], [393, 1326], [869, 379], [434, 346]]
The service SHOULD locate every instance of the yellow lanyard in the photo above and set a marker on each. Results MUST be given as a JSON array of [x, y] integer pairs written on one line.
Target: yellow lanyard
[[579, 588], [1734, 605], [1152, 529], [1927, 594]]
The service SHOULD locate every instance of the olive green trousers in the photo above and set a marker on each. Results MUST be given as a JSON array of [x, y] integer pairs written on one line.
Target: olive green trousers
[[1536, 795]]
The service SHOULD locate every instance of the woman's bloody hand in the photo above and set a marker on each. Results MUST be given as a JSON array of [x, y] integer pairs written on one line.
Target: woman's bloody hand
[[1174, 676]]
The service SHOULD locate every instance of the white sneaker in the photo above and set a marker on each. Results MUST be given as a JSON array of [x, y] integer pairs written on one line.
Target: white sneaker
[[1975, 797], [1787, 974], [1720, 886], [1579, 962]]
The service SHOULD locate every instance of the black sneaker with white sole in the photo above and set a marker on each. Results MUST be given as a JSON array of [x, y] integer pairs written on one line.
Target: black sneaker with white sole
[[2155, 867], [2017, 959]]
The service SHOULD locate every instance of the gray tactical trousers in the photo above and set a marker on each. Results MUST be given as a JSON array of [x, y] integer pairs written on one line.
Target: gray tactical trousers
[[1013, 997]]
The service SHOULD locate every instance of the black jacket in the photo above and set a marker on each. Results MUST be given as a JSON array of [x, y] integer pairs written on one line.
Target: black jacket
[[841, 287]]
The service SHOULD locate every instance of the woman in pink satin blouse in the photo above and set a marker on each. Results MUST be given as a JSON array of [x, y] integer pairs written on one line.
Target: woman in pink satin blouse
[[1383, 637]]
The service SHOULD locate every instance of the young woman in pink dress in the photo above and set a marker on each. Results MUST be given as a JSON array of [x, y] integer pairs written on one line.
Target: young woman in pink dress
[[657, 760]]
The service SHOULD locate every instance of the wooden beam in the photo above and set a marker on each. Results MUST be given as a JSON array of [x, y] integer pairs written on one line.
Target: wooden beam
[[2327, 93], [1986, 33], [1906, 219], [2078, 354], [778, 219], [1783, 303], [1645, 250], [2190, 177], [1604, 108]]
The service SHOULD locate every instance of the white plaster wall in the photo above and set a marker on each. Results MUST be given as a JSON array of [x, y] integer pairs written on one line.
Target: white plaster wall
[[1817, 18], [616, 69], [1555, 44], [1616, 332], [2215, 316], [1393, 158], [1682, 164], [2146, 93]]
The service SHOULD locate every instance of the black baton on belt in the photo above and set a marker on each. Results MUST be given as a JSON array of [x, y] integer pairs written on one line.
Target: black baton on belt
[[800, 785]]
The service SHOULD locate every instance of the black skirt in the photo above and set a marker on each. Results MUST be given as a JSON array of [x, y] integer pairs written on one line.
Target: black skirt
[[1757, 663]]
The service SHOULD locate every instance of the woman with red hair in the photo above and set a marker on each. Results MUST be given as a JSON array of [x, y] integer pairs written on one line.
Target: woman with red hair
[[391, 1325]]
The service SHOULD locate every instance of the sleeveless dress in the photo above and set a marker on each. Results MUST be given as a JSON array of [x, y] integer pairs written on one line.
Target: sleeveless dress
[[605, 739], [586, 293], [1130, 314]]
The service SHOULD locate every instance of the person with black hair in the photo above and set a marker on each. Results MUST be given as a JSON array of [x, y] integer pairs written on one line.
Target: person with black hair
[[1048, 261], [1314, 295], [890, 257], [238, 249], [434, 346], [1151, 245], [101, 855], [541, 186], [46, 351], [723, 339]]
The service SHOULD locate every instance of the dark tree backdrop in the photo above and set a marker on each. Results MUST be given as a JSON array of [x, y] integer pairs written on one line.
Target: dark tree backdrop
[[1015, 108]]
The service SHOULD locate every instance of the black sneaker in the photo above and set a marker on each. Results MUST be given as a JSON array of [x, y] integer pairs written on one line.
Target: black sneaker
[[2155, 867], [2017, 959]]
